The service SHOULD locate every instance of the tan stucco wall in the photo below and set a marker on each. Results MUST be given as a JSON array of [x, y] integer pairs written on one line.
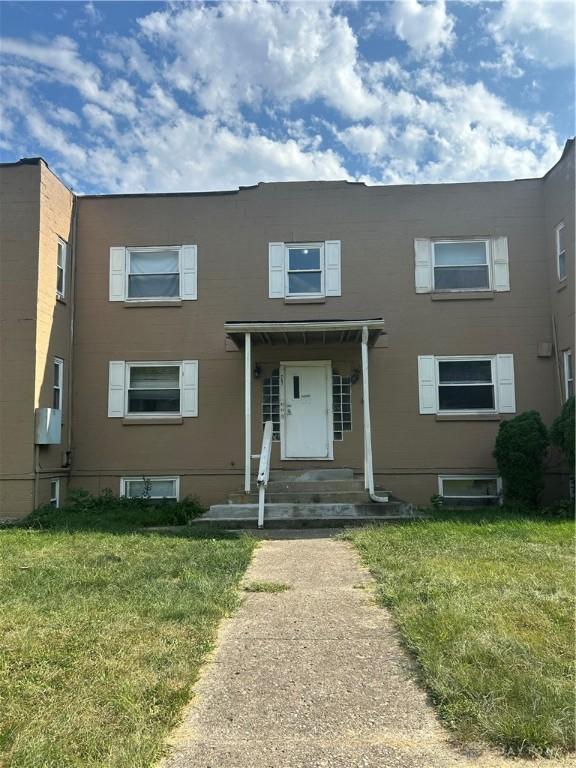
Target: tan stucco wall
[[53, 315], [377, 227], [19, 225], [559, 205], [34, 327]]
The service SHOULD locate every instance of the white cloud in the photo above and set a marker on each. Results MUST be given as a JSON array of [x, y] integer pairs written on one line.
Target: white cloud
[[506, 65], [98, 117], [61, 61], [457, 132], [539, 30], [427, 28], [236, 53], [63, 115]]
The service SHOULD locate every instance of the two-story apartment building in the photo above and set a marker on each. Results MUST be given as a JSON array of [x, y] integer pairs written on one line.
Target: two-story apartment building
[[152, 335]]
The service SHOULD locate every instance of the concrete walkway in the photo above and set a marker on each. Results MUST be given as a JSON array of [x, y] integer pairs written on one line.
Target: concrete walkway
[[313, 677]]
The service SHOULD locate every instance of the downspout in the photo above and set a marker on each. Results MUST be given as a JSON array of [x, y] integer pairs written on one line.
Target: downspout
[[368, 467], [72, 315]]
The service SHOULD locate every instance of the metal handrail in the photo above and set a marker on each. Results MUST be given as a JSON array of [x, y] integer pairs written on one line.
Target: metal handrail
[[264, 470]]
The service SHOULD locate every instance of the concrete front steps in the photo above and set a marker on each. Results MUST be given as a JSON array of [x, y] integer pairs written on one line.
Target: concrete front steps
[[315, 498]]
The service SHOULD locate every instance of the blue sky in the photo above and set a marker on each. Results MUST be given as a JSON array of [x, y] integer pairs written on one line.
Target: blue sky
[[155, 97]]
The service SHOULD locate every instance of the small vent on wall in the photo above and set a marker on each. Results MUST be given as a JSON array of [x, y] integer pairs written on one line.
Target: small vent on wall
[[544, 349]]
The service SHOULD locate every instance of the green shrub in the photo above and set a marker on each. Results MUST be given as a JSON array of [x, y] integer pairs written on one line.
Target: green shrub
[[520, 452], [562, 432], [106, 511]]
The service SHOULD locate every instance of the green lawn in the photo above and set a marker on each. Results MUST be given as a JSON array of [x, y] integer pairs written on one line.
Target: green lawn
[[101, 638], [485, 602]]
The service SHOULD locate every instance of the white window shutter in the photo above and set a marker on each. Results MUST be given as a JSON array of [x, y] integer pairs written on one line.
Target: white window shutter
[[423, 264], [427, 383], [500, 264], [117, 372], [505, 380], [276, 270], [189, 394], [332, 278], [117, 284], [189, 276]]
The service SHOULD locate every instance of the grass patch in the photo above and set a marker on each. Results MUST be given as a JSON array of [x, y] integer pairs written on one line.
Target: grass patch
[[485, 601], [266, 586], [102, 633]]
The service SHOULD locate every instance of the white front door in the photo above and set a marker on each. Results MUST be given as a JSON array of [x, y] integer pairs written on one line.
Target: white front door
[[306, 408]]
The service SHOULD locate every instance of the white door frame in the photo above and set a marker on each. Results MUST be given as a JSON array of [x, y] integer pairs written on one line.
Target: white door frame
[[327, 365]]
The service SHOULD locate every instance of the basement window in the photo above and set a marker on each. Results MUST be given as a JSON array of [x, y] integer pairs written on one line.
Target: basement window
[[55, 492], [470, 491], [153, 389], [150, 488], [461, 265]]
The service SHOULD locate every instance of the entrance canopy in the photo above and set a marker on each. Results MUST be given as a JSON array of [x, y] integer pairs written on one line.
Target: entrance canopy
[[303, 331]]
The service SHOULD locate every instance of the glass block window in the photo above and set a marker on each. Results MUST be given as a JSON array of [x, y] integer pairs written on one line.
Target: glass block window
[[341, 405], [271, 402]]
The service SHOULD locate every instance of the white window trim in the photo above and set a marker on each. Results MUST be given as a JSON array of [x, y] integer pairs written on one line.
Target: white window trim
[[55, 499], [463, 358], [59, 363], [442, 478], [61, 294], [567, 355], [152, 249], [322, 270], [151, 364], [488, 245], [124, 481], [559, 253]]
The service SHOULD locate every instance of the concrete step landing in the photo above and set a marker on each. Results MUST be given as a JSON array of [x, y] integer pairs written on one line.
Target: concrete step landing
[[306, 515]]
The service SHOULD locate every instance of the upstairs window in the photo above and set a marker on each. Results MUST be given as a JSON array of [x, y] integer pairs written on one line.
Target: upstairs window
[[153, 274], [561, 251], [61, 269], [461, 265], [305, 270]]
